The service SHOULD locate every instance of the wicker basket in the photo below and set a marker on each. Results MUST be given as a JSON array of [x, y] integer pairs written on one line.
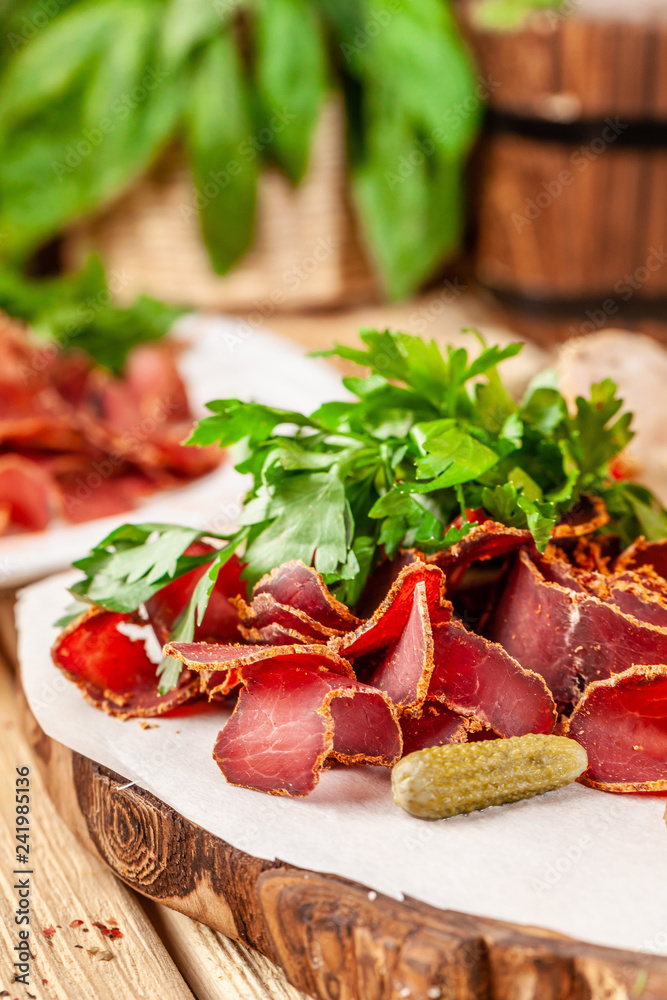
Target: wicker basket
[[307, 253]]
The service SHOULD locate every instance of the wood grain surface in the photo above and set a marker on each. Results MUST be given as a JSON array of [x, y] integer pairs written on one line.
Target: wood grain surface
[[333, 938], [162, 954]]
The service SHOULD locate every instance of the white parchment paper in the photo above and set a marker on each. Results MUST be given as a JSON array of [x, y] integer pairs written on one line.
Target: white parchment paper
[[577, 861]]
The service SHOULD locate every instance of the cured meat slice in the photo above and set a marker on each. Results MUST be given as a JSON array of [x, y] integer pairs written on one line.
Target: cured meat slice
[[588, 514], [631, 597], [28, 491], [221, 617], [490, 540], [556, 569], [622, 723], [387, 623], [232, 662], [643, 553], [301, 587], [478, 678], [380, 581], [113, 671], [405, 672], [265, 611], [435, 726], [89, 495], [288, 722], [570, 639]]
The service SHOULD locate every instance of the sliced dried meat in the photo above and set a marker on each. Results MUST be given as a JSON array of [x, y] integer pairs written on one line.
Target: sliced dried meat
[[434, 726], [29, 492], [265, 612], [114, 671], [622, 723], [643, 553], [632, 597], [490, 540], [478, 678], [88, 494], [301, 587], [232, 662], [288, 722], [570, 639], [404, 673], [588, 515], [385, 627], [220, 621]]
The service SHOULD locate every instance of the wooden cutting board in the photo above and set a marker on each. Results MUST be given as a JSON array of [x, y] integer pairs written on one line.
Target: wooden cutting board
[[333, 938]]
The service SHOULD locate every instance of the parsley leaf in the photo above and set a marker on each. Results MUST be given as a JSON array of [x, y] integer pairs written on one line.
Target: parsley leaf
[[427, 435]]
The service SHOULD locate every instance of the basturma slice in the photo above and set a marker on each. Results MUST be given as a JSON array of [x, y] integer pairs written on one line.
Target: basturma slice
[[387, 623], [570, 639], [223, 666], [28, 492], [489, 540], [114, 671], [435, 726], [266, 620], [622, 723], [478, 678], [405, 672], [643, 553], [220, 619], [290, 720], [299, 586]]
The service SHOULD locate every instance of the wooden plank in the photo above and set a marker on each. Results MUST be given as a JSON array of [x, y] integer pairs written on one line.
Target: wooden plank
[[8, 637], [216, 967], [333, 937], [67, 884]]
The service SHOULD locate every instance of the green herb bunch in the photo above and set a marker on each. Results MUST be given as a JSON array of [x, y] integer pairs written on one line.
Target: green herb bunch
[[77, 311], [425, 437], [92, 91]]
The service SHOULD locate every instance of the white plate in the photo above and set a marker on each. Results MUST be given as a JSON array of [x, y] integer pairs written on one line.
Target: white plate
[[577, 861], [225, 357]]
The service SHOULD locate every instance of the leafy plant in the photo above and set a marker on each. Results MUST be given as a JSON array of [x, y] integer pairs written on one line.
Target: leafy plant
[[78, 311], [90, 98], [425, 438]]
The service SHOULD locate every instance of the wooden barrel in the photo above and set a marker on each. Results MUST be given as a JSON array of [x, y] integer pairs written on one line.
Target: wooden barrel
[[571, 208]]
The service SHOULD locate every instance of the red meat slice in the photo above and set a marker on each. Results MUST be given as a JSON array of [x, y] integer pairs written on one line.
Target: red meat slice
[[387, 623], [220, 619], [114, 671], [570, 639], [289, 721], [265, 612], [28, 491], [643, 553], [232, 662], [477, 678], [405, 672], [622, 723], [435, 726], [88, 495], [301, 587], [490, 540]]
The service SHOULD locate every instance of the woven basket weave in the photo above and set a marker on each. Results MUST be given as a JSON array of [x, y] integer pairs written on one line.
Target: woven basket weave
[[306, 253]]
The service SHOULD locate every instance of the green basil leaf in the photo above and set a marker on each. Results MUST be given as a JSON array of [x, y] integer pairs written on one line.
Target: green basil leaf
[[218, 135], [291, 76]]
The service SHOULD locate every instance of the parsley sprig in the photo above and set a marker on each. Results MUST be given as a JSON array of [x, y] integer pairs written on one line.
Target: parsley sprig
[[424, 437]]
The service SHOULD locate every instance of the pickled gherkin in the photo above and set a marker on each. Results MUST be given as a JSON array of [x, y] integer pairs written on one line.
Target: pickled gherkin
[[447, 780]]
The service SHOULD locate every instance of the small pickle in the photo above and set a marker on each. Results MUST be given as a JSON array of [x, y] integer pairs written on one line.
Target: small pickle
[[443, 781]]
